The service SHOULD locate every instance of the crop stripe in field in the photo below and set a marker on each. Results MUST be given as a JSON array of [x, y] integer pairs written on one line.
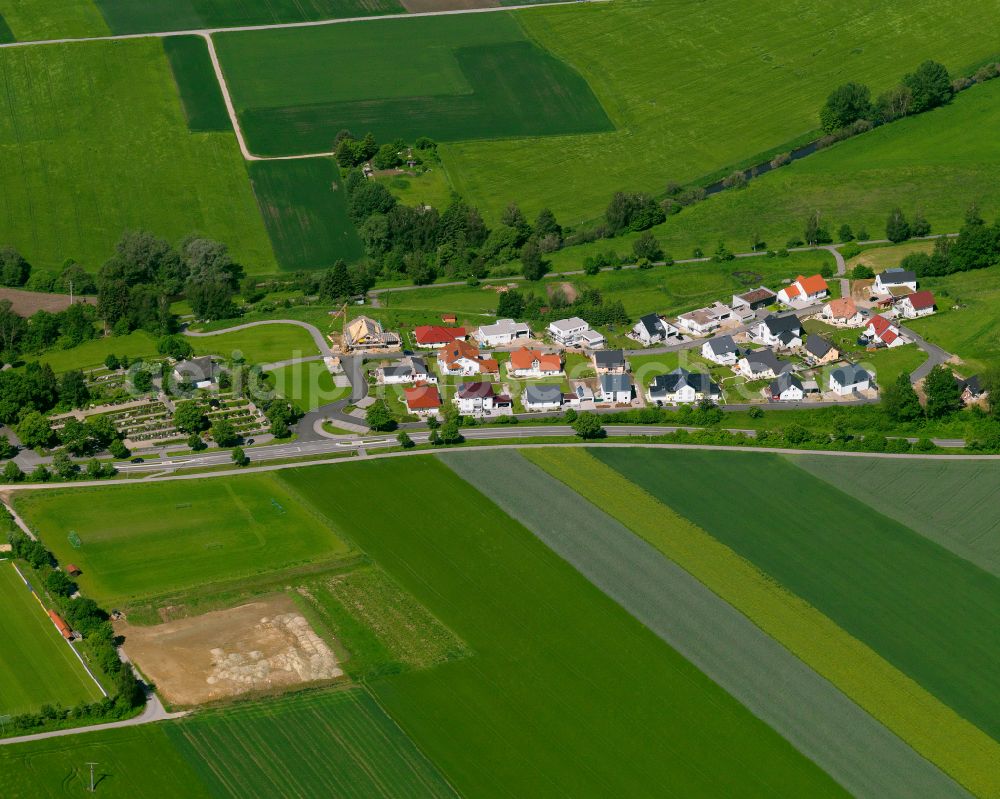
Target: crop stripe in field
[[932, 728], [813, 715]]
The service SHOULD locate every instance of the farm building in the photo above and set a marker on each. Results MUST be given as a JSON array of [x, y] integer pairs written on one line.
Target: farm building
[[436, 337], [842, 312], [721, 349], [848, 379], [534, 363], [504, 331], [804, 290], [920, 303], [682, 386]]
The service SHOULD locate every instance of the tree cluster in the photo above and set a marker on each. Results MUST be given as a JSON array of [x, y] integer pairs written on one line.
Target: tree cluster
[[589, 305], [977, 246]]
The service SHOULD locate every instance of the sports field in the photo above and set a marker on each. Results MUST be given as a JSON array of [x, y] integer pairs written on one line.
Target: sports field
[[519, 717], [131, 163], [258, 345], [162, 538], [304, 206], [922, 720], [903, 595], [695, 93], [473, 76], [337, 743], [199, 89], [126, 16], [36, 665]]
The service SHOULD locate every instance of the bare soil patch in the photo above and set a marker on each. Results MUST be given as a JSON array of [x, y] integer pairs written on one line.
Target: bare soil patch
[[568, 290], [25, 303], [261, 646], [418, 6]]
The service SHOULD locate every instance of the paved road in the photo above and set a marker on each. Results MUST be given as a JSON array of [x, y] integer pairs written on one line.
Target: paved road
[[935, 355]]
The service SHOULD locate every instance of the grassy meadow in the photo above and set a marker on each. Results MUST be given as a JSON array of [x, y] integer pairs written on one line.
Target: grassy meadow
[[310, 384], [461, 77], [900, 593], [36, 665], [518, 717], [304, 206], [696, 95], [258, 345], [131, 164], [138, 344], [162, 538], [921, 719]]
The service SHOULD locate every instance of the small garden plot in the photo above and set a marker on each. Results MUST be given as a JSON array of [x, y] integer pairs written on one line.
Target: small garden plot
[[261, 647]]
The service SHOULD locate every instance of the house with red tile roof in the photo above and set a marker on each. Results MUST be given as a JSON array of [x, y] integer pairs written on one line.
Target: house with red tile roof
[[842, 312], [422, 400], [463, 358], [436, 337], [804, 290], [883, 333], [920, 303], [534, 363]]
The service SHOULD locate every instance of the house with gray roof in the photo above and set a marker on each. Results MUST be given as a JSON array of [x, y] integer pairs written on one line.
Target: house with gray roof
[[682, 386], [780, 331], [202, 371], [616, 389], [609, 362], [542, 397], [848, 379], [762, 365], [786, 387], [652, 329], [721, 349]]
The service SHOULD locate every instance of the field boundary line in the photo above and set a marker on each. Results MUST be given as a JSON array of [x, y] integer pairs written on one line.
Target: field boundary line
[[79, 657]]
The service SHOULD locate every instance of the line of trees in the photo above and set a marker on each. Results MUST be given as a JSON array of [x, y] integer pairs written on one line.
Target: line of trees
[[977, 246], [589, 305]]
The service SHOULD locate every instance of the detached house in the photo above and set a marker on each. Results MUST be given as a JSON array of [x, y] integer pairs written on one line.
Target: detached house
[[971, 387], [652, 329], [364, 331], [542, 397], [436, 337], [848, 379], [920, 303], [616, 389], [750, 302], [609, 362], [781, 332], [762, 365], [804, 290], [479, 399], [503, 332], [408, 370], [820, 351], [880, 332], [843, 313], [422, 400], [786, 387], [721, 349], [682, 386], [705, 320], [575, 332], [534, 363], [894, 279], [463, 358]]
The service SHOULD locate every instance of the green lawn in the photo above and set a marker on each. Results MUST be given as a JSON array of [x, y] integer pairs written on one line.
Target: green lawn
[[258, 345], [31, 20], [956, 504], [304, 206], [971, 330], [139, 344], [690, 92], [76, 170], [338, 743], [427, 188], [887, 364], [919, 718], [36, 665], [310, 384], [906, 597], [555, 661], [165, 537], [199, 88], [470, 76]]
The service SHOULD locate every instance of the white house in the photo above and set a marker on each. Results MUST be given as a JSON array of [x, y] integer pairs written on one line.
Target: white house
[[705, 320], [652, 329], [897, 279], [534, 363], [721, 349], [786, 387], [842, 312], [616, 388], [568, 331], [592, 340], [883, 333], [920, 303], [848, 379], [479, 399], [781, 332], [503, 331], [542, 397], [463, 358], [408, 370], [682, 386], [762, 365], [199, 371], [804, 290], [422, 401]]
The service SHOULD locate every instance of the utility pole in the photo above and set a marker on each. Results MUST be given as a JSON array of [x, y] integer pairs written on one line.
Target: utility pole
[[92, 789]]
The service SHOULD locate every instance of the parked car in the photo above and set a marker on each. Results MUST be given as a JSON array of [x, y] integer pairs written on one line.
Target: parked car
[[138, 460]]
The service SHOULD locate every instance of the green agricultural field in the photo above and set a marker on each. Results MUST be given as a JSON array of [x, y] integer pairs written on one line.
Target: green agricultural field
[[132, 763], [933, 729], [6, 34], [310, 384], [138, 344], [338, 743], [467, 76], [204, 105], [939, 163], [141, 541], [304, 206], [132, 164], [519, 716], [258, 345], [127, 16], [972, 329], [30, 20], [903, 595], [36, 665], [955, 504], [695, 95]]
